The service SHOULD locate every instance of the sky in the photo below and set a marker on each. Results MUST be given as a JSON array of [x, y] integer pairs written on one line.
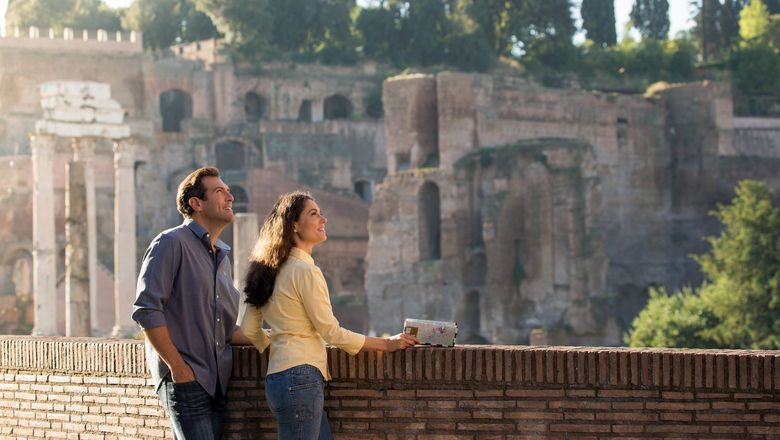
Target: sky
[[679, 13]]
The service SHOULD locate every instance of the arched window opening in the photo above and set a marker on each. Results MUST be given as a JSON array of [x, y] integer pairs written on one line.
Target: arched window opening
[[337, 107], [304, 112], [231, 156], [255, 107], [364, 190], [240, 199], [175, 106], [429, 222]]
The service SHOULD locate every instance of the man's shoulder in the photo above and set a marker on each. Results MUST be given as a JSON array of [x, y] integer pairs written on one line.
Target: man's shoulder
[[172, 235]]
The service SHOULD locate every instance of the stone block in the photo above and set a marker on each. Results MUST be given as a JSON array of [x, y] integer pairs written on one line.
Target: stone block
[[71, 130], [91, 89]]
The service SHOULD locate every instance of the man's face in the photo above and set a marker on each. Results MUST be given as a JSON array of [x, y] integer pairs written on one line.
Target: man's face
[[217, 205]]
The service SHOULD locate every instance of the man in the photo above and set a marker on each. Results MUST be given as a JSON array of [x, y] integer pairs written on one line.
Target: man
[[187, 307]]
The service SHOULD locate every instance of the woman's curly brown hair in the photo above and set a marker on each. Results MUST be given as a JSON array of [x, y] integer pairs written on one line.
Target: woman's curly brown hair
[[273, 246]]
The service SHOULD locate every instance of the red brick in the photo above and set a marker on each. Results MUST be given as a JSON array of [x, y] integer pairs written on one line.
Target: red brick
[[534, 393], [627, 429], [458, 394], [728, 405], [483, 414], [487, 403], [579, 416], [573, 427], [439, 414], [533, 415], [726, 417], [636, 394], [677, 428], [628, 405], [579, 404], [486, 427], [728, 429], [678, 406], [627, 416], [676, 417]]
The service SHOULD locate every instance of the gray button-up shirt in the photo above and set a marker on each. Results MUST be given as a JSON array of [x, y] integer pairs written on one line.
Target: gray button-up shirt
[[186, 286]]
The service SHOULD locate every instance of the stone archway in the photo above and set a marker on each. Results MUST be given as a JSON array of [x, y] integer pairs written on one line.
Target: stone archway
[[337, 107], [175, 106], [255, 107]]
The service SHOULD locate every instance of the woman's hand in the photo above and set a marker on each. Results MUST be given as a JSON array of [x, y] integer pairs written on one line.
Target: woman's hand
[[400, 341], [393, 343]]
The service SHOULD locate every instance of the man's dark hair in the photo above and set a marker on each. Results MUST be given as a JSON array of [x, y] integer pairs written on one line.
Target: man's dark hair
[[192, 186]]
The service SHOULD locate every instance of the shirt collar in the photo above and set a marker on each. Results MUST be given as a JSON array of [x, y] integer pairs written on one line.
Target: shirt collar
[[202, 234], [301, 255]]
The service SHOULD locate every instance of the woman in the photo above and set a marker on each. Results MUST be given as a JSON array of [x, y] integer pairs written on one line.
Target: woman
[[286, 289]]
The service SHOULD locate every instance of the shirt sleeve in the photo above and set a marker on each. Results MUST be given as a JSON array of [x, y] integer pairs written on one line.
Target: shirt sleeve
[[316, 301], [155, 281], [252, 326]]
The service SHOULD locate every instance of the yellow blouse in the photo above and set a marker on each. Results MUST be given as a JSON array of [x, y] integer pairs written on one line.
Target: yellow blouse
[[300, 317]]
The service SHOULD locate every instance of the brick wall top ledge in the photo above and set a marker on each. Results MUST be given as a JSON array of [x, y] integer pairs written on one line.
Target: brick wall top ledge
[[481, 366]]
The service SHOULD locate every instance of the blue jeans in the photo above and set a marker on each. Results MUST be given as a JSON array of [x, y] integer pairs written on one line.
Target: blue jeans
[[194, 413], [297, 402]]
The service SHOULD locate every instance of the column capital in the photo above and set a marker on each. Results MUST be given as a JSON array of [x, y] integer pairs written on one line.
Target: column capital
[[84, 148], [124, 154], [43, 143]]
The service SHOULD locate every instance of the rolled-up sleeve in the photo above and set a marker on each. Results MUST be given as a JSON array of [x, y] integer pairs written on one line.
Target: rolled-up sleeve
[[314, 295], [251, 325], [155, 281]]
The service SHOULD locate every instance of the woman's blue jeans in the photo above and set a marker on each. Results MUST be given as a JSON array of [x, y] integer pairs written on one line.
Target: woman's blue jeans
[[297, 402]]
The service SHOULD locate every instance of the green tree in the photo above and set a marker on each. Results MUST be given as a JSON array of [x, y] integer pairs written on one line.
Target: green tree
[[754, 22], [426, 27], [378, 30], [247, 26], [756, 68], [651, 18], [743, 267], [157, 19], [738, 306], [59, 14], [717, 27], [598, 20], [677, 320]]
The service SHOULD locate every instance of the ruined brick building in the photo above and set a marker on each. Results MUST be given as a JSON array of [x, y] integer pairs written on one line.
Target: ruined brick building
[[478, 198], [523, 208]]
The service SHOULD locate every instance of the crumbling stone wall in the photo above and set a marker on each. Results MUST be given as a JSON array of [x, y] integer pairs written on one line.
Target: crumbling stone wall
[[558, 208]]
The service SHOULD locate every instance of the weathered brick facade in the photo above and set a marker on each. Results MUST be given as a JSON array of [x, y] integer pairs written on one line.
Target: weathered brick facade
[[98, 389]]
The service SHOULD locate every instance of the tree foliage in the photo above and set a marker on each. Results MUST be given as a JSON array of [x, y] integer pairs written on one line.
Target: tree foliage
[[754, 22], [651, 18], [717, 27], [167, 22], [598, 20], [738, 305], [59, 14]]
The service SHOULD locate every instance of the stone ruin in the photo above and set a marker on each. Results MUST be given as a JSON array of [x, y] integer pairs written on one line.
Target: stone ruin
[[81, 113], [533, 215], [521, 212]]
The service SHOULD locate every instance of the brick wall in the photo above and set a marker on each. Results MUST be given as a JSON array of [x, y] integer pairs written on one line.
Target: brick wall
[[98, 389]]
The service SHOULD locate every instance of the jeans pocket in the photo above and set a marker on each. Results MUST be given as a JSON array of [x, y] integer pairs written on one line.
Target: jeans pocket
[[188, 399]]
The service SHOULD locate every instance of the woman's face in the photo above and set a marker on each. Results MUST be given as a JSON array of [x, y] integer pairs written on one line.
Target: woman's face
[[310, 227]]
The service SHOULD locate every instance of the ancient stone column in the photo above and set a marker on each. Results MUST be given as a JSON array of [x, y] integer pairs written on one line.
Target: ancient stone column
[[84, 151], [124, 239], [77, 311], [244, 237], [44, 257]]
